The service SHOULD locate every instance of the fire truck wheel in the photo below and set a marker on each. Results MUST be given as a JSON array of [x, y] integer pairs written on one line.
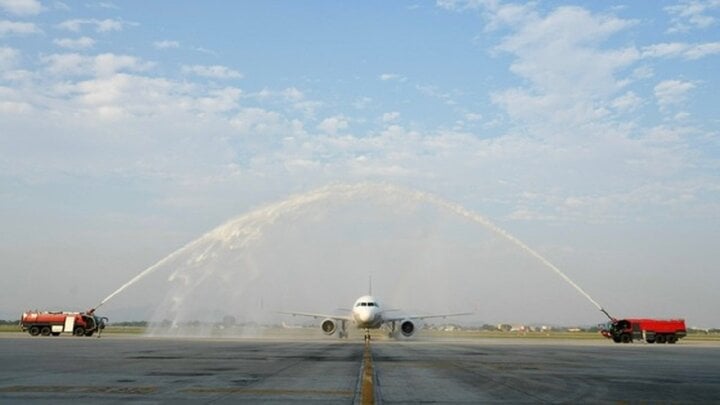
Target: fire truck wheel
[[34, 331], [650, 340], [625, 338], [671, 339], [45, 331], [79, 331], [660, 339]]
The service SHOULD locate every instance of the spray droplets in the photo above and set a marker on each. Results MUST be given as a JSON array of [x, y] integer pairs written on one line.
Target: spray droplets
[[204, 263]]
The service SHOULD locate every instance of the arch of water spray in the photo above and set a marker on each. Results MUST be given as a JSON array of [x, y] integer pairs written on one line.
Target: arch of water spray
[[241, 232]]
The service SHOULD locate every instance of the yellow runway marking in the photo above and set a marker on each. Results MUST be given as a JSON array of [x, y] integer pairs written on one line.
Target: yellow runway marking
[[367, 390]]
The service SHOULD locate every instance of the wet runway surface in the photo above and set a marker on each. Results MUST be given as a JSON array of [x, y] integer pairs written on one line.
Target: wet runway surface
[[137, 369]]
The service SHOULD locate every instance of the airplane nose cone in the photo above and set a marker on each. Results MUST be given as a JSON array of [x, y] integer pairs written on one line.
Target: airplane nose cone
[[365, 316]]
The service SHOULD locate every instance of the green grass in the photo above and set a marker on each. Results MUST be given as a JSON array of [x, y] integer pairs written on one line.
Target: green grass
[[10, 328], [124, 330]]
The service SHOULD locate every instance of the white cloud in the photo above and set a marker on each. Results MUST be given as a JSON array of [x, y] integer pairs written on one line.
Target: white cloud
[[11, 107], [308, 107], [99, 65], [127, 97], [67, 64], [333, 125], [390, 116], [289, 97], [213, 72], [392, 76], [473, 117], [261, 122], [59, 5], [692, 14], [166, 44], [702, 50], [682, 115], [218, 101], [499, 15], [8, 58], [204, 50], [21, 7], [459, 5], [363, 103], [72, 25], [433, 91], [78, 43], [560, 52], [108, 63], [298, 101], [681, 50], [672, 92], [17, 28], [107, 5], [627, 102], [573, 79], [292, 94], [106, 25], [643, 72]]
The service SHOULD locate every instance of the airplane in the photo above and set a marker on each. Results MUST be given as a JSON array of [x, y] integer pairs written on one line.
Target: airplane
[[367, 313]]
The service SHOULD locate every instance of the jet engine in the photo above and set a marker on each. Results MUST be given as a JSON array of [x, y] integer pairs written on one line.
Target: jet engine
[[328, 326], [407, 328]]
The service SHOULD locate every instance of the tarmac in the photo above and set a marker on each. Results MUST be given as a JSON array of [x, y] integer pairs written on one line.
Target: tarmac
[[121, 369]]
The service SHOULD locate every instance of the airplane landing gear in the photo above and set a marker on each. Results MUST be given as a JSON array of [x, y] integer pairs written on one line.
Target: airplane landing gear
[[393, 333], [367, 335], [343, 332]]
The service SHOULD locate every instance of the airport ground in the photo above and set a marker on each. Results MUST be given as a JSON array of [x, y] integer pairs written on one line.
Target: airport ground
[[119, 368]]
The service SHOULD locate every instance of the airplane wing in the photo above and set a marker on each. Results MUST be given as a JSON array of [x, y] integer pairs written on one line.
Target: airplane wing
[[316, 316], [400, 318]]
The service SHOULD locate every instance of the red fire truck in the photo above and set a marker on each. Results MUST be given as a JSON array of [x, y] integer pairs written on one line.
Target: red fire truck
[[54, 323], [650, 330]]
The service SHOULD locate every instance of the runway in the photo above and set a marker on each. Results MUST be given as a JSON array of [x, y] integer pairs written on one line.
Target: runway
[[116, 369]]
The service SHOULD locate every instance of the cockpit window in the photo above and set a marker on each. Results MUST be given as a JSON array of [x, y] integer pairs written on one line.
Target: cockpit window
[[371, 304], [363, 304]]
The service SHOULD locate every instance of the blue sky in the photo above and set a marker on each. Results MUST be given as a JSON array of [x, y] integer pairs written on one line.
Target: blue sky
[[129, 128]]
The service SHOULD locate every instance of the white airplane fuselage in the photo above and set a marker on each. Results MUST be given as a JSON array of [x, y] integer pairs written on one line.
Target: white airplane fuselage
[[367, 313]]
